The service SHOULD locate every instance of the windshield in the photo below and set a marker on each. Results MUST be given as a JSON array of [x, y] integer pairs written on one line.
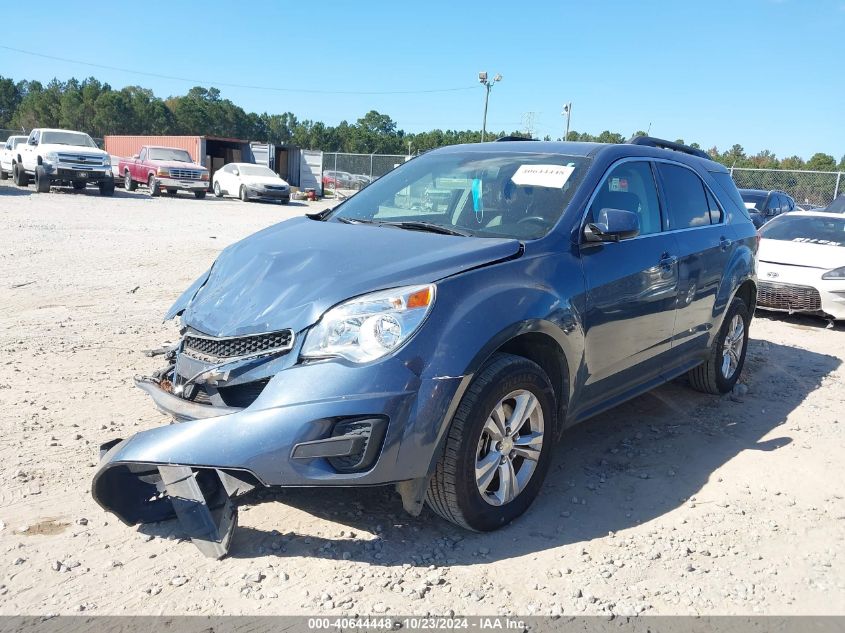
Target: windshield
[[67, 138], [165, 153], [482, 193], [753, 198], [810, 229], [257, 170]]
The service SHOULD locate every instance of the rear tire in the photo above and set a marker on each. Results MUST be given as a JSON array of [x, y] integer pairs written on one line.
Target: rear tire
[[720, 372], [484, 478], [107, 187], [199, 195], [153, 186], [42, 180], [128, 183]]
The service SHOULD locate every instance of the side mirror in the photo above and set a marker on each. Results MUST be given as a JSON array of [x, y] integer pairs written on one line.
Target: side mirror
[[236, 172], [33, 141], [613, 225], [136, 156]]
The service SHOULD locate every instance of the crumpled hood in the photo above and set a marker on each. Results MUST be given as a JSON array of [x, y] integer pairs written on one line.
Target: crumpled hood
[[289, 274], [822, 256]]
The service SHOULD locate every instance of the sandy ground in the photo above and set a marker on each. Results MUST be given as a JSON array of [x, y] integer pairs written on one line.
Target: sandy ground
[[674, 503]]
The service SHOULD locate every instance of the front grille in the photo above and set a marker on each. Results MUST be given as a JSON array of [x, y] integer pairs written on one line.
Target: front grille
[[185, 174], [242, 395], [276, 187], [81, 159], [788, 297], [212, 349]]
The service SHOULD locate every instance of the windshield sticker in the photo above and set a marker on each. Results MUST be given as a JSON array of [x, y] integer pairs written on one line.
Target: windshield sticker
[[551, 176], [477, 200], [619, 184]]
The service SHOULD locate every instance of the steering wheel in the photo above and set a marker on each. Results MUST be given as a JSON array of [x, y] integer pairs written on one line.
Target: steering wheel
[[533, 218]]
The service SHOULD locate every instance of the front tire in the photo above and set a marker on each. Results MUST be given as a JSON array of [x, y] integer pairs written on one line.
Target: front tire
[[128, 183], [243, 195], [107, 188], [218, 192], [498, 448], [19, 175], [153, 186], [3, 174], [721, 371], [42, 180]]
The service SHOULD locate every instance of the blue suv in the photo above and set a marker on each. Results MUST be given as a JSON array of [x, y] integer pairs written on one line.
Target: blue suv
[[439, 331]]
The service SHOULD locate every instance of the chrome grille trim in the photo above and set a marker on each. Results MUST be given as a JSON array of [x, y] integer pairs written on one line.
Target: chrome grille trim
[[224, 349], [185, 174]]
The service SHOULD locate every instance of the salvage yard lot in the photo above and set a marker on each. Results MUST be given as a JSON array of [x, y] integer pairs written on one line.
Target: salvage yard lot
[[676, 502]]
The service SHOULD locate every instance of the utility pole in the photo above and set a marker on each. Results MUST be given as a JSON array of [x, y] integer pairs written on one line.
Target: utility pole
[[482, 79], [528, 123], [567, 112]]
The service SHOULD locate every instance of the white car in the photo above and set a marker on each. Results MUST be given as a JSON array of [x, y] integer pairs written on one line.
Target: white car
[[249, 181], [801, 264], [6, 153]]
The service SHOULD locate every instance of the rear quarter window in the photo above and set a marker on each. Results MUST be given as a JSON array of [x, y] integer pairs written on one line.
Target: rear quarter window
[[726, 190]]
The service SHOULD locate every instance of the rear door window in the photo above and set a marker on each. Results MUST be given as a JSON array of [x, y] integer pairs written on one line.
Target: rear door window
[[630, 186], [686, 202]]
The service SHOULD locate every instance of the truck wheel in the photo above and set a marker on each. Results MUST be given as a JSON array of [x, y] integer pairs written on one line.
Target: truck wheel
[[153, 186], [199, 195], [498, 448], [79, 185], [107, 187], [128, 183], [243, 195], [42, 180], [3, 175], [218, 192], [720, 372], [19, 175]]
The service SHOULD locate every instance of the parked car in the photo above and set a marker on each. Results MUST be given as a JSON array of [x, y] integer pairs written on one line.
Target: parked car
[[62, 158], [808, 206], [338, 179], [359, 181], [764, 205], [802, 264], [167, 169], [7, 152], [443, 351], [837, 206], [115, 170], [249, 181]]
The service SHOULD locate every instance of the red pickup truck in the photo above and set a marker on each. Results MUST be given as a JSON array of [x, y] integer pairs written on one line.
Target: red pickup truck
[[164, 169]]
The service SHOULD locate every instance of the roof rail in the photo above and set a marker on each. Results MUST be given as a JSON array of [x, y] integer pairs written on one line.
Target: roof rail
[[650, 141], [515, 138]]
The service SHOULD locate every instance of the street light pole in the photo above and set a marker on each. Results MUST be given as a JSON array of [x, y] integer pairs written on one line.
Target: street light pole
[[567, 112], [482, 79]]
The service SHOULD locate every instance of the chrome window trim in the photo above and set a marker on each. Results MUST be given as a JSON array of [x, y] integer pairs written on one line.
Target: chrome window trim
[[647, 159]]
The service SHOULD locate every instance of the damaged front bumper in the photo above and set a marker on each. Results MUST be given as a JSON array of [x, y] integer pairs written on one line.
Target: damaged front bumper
[[297, 432]]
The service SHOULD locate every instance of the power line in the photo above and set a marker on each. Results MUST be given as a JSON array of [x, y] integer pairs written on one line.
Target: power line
[[231, 85]]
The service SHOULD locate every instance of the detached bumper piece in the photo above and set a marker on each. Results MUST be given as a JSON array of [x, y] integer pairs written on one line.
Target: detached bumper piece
[[200, 498]]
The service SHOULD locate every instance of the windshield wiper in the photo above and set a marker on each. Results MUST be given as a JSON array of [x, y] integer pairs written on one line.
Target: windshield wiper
[[417, 225], [357, 221]]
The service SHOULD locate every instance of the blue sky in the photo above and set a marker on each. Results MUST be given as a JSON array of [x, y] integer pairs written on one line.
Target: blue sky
[[767, 74]]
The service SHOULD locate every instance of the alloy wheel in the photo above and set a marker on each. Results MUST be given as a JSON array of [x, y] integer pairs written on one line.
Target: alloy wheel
[[509, 447], [733, 346]]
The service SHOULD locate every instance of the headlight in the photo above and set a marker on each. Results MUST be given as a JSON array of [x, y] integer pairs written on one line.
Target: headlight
[[836, 273], [163, 172], [371, 326], [107, 161], [51, 157]]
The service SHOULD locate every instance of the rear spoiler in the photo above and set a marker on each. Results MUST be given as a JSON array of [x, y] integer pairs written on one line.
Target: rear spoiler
[[650, 141]]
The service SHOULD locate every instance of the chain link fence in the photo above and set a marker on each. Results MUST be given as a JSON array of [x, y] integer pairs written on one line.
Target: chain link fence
[[806, 187], [355, 171]]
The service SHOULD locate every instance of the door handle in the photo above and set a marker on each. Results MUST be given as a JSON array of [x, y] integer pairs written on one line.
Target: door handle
[[724, 243]]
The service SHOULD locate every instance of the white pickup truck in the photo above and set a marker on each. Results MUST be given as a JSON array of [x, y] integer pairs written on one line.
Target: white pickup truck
[[62, 158], [7, 151]]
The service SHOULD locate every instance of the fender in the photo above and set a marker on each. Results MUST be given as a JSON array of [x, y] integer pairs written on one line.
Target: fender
[[741, 268]]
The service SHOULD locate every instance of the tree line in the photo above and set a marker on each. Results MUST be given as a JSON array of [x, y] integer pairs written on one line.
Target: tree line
[[98, 109]]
